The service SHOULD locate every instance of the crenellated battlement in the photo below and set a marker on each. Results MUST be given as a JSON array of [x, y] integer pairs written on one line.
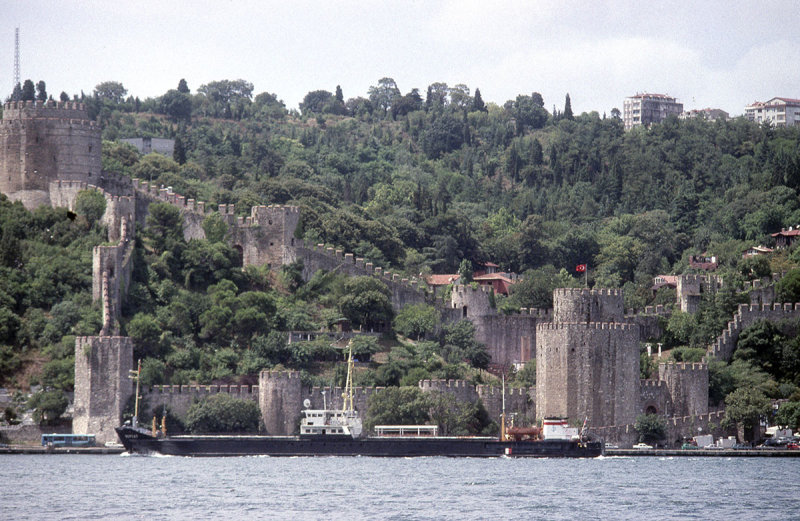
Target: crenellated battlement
[[439, 384], [537, 312], [648, 310], [654, 384], [683, 367], [280, 375], [41, 105], [611, 326], [203, 390], [722, 348], [577, 292]]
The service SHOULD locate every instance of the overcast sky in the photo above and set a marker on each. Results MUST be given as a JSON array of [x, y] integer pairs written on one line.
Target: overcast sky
[[722, 54]]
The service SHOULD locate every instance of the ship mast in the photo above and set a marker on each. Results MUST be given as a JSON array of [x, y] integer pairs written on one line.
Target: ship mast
[[134, 375], [347, 395]]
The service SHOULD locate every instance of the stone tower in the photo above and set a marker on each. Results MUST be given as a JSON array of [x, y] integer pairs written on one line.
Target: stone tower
[[279, 397], [687, 385], [102, 384], [266, 237], [588, 359], [41, 142]]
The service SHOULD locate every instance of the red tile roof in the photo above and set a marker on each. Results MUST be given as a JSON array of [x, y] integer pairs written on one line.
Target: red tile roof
[[493, 276], [442, 280], [786, 233]]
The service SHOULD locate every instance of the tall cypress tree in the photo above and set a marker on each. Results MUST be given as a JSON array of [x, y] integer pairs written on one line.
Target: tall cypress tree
[[568, 108], [28, 91], [41, 91], [477, 102]]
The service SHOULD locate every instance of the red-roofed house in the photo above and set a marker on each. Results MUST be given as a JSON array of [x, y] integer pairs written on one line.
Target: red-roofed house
[[703, 262], [437, 282], [785, 238], [665, 281], [754, 251], [499, 282]]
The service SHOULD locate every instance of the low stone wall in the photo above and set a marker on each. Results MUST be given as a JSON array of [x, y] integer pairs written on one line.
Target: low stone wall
[[178, 398], [30, 434], [677, 428]]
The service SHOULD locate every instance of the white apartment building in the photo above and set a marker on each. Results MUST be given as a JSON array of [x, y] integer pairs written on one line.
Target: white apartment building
[[781, 112], [645, 108]]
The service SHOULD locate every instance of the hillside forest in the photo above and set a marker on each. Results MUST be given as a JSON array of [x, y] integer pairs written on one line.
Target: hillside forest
[[422, 182]]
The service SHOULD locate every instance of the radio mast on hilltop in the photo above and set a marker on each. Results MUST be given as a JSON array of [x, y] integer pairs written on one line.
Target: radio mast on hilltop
[[16, 59]]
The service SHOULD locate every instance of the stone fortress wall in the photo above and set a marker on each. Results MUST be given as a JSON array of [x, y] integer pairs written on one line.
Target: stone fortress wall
[[41, 142], [49, 152], [280, 395], [745, 316]]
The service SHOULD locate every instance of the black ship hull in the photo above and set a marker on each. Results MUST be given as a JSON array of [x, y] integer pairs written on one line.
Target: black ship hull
[[332, 445]]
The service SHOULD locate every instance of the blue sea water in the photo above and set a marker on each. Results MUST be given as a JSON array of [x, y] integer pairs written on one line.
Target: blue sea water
[[152, 488]]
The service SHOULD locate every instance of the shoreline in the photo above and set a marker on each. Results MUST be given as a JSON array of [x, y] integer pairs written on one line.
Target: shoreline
[[725, 453], [37, 449]]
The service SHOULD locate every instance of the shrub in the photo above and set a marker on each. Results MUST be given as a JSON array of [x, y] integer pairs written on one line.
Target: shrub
[[223, 413]]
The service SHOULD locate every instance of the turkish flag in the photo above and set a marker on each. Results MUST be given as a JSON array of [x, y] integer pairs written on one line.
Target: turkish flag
[[580, 268]]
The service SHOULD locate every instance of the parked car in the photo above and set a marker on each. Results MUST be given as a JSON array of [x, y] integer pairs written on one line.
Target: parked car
[[689, 446], [642, 446], [793, 446]]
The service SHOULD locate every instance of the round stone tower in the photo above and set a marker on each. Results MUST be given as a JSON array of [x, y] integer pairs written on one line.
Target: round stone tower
[[41, 142], [587, 360]]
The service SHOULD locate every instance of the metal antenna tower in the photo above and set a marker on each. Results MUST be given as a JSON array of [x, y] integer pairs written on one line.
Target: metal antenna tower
[[16, 58]]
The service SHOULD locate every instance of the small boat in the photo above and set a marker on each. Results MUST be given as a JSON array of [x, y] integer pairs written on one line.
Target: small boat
[[338, 432]]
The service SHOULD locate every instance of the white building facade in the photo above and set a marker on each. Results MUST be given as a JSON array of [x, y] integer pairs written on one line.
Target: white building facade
[[645, 108], [780, 112]]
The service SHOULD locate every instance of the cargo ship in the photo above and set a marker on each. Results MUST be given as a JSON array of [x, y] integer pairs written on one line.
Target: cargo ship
[[338, 432]]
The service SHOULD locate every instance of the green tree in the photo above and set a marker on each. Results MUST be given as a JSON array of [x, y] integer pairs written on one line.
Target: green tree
[[761, 345], [48, 406], [41, 91], [366, 302], [315, 102], [397, 406], [91, 204], [568, 109], [789, 415], [477, 102], [112, 91], [788, 288], [215, 228], [177, 105], [416, 320], [164, 226], [154, 372], [28, 91], [145, 332], [651, 428], [744, 407], [458, 343], [223, 413], [183, 87], [384, 94], [457, 418]]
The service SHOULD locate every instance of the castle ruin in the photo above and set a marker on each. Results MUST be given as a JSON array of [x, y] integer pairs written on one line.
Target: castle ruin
[[586, 347]]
